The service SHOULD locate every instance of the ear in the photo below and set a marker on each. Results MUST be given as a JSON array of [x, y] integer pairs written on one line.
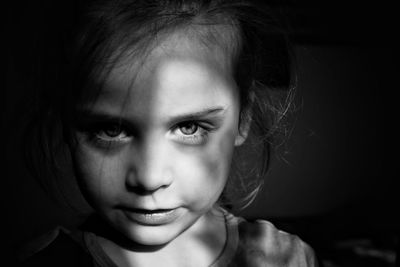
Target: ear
[[244, 123], [244, 128]]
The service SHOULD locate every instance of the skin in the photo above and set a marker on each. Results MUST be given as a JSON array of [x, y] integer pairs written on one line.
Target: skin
[[179, 126]]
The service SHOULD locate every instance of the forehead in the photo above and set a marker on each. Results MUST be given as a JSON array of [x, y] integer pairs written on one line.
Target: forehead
[[217, 44], [178, 75]]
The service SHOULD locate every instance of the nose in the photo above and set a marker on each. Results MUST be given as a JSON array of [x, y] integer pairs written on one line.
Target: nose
[[150, 171]]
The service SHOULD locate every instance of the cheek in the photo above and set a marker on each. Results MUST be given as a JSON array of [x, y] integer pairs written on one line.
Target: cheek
[[204, 171], [99, 176]]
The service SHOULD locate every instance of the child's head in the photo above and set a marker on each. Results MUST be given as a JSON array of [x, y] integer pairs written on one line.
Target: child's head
[[153, 100]]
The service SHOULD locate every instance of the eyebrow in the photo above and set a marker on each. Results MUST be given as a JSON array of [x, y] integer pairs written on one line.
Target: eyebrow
[[199, 114]]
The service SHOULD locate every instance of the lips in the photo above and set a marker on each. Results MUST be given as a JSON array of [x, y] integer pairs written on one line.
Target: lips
[[151, 217]]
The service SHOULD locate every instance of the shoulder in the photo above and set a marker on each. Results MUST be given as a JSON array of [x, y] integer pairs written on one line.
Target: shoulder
[[262, 243], [58, 247]]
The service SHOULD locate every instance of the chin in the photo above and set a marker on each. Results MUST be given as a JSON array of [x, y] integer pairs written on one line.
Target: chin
[[151, 235]]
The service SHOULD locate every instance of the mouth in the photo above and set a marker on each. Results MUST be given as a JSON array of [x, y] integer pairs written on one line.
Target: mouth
[[151, 217]]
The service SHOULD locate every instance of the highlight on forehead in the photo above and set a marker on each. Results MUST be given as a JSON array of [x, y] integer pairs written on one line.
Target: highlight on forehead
[[223, 39]]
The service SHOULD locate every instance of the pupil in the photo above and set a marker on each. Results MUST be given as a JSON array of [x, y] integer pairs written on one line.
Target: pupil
[[113, 130], [189, 129]]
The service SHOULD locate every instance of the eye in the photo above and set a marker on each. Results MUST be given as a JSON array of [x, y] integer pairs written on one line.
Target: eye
[[189, 128], [191, 133], [111, 132]]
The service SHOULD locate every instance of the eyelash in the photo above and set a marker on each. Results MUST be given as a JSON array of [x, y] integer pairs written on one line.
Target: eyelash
[[100, 137]]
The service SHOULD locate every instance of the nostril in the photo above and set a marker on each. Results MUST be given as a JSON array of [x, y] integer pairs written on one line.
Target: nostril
[[144, 186], [140, 190]]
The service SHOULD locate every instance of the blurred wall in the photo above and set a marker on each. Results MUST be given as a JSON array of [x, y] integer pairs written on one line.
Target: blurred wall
[[335, 154]]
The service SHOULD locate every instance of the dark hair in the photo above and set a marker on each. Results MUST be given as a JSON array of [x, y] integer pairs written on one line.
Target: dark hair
[[102, 31]]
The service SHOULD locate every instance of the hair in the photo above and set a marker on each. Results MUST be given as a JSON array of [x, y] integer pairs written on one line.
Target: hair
[[103, 32]]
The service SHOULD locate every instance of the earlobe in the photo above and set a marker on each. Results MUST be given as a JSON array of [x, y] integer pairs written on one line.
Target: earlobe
[[239, 140]]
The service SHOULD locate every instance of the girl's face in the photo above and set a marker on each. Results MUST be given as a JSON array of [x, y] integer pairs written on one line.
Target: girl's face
[[154, 152]]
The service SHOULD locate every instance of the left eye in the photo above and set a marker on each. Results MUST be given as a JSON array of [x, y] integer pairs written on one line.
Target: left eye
[[191, 133], [188, 128]]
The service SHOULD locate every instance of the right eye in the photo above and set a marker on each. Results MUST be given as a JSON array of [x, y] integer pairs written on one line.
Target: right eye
[[111, 133]]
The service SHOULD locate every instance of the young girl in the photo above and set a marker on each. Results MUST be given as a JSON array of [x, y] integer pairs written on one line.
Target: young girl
[[152, 99]]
